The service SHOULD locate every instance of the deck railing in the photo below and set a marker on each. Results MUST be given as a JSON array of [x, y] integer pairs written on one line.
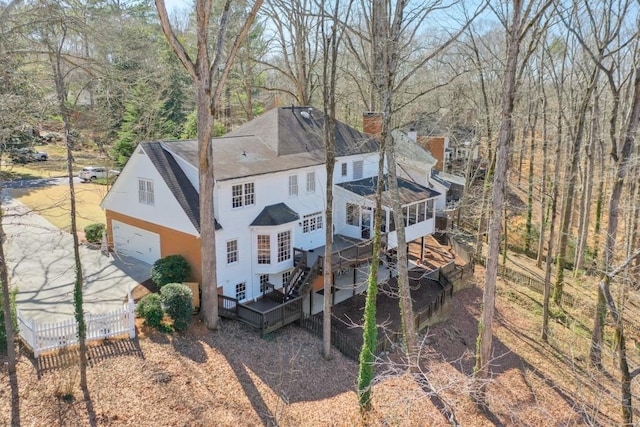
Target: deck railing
[[266, 321], [387, 339]]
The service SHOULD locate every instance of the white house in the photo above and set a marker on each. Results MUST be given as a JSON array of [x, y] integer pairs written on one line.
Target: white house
[[269, 200]]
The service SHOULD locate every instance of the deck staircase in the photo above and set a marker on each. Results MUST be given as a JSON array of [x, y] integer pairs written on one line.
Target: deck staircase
[[301, 279]]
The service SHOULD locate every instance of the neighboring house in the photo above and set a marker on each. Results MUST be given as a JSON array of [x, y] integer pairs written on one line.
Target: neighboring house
[[421, 166], [269, 198]]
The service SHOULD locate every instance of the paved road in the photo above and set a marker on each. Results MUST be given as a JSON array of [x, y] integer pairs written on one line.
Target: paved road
[[41, 266], [40, 182]]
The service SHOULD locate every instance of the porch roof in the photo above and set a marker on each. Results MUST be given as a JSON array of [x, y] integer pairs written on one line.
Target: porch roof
[[410, 192]]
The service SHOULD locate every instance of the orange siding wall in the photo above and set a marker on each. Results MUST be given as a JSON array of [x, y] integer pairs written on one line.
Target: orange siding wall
[[172, 242], [435, 145], [318, 284]]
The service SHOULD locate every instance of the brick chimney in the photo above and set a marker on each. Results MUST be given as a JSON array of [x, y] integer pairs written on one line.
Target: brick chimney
[[372, 124]]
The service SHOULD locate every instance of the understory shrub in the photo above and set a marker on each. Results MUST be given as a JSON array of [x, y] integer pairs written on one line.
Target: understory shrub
[[177, 301], [3, 331], [94, 232], [150, 309], [170, 269]]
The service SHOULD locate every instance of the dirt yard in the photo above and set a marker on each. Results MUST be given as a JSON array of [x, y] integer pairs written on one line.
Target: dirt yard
[[232, 377]]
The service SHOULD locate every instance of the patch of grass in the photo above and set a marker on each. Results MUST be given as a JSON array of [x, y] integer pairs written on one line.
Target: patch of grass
[[53, 203]]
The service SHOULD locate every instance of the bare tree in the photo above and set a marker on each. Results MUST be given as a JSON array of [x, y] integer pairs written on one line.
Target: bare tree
[[296, 52], [332, 33], [203, 71], [522, 17], [605, 300]]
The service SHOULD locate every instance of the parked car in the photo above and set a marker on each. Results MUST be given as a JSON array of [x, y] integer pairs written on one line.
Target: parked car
[[91, 173], [25, 155], [39, 155]]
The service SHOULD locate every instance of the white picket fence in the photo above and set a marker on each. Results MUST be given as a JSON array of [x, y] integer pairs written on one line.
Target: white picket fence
[[42, 337]]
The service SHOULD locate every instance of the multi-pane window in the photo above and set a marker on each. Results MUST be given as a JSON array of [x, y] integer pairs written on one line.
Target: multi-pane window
[[232, 251], [353, 214], [264, 283], [430, 209], [312, 222], [286, 276], [357, 169], [241, 291], [344, 169], [311, 182], [145, 191], [422, 212], [264, 249], [284, 246], [249, 194], [242, 195], [293, 185]]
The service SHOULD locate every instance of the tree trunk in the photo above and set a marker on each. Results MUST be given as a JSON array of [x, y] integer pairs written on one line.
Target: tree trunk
[[543, 185], [370, 328], [571, 177], [585, 212], [61, 92], [622, 169], [505, 135], [552, 227], [532, 156], [207, 101]]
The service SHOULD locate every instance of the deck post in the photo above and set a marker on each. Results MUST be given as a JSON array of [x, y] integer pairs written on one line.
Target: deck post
[[421, 249]]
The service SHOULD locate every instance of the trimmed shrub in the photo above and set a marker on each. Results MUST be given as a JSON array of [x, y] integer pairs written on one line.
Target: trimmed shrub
[[3, 331], [177, 300], [150, 309], [94, 232], [170, 269]]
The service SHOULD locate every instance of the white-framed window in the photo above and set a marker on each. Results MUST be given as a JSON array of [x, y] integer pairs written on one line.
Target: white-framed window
[[241, 291], [311, 182], [353, 214], [145, 191], [264, 282], [293, 185], [430, 211], [312, 222], [344, 169], [357, 169], [285, 277], [284, 246], [264, 249], [232, 251], [243, 195]]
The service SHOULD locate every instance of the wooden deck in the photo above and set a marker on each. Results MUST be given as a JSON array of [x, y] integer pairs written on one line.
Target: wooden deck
[[266, 314]]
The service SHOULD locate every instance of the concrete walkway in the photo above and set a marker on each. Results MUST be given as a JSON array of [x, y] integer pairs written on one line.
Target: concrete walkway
[[41, 265]]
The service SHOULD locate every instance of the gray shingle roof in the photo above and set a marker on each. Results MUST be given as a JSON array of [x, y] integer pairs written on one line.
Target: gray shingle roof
[[177, 181], [277, 214], [280, 139], [409, 191]]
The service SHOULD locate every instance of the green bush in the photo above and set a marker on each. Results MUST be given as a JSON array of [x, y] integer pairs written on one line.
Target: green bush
[[177, 300], [170, 269], [3, 331], [150, 309], [94, 232]]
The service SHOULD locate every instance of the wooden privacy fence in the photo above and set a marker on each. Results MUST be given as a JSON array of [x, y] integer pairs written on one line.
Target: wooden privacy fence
[[351, 346], [41, 337], [534, 284]]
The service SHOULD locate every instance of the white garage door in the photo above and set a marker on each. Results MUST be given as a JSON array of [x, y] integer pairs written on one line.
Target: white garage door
[[135, 242]]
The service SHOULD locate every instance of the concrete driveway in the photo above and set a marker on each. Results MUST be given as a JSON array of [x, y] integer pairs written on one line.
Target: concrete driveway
[[41, 265]]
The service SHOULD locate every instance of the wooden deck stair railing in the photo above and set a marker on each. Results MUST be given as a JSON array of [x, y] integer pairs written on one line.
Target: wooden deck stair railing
[[301, 280]]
